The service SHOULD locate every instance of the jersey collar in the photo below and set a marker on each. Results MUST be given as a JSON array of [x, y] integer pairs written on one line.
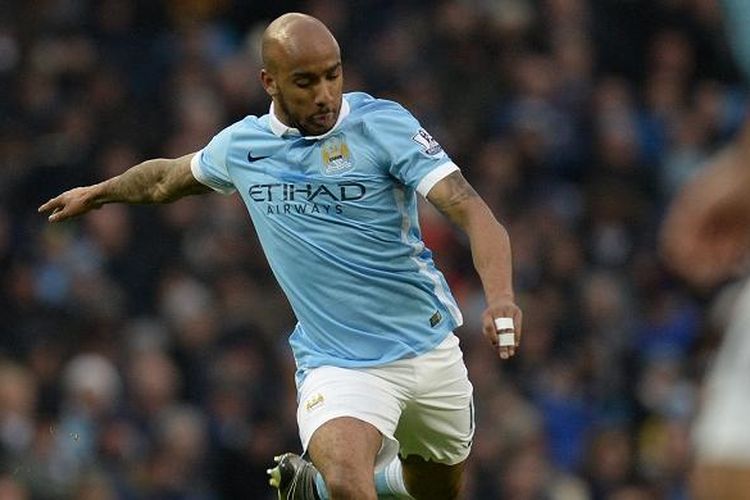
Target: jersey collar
[[282, 130]]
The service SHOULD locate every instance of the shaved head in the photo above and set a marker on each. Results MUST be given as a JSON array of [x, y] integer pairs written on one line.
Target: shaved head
[[292, 36], [302, 73]]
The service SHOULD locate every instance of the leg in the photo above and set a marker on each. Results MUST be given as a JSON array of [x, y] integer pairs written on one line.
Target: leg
[[427, 480], [344, 450], [346, 420], [436, 428]]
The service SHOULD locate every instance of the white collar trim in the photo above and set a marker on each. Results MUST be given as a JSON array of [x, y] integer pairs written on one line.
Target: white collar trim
[[279, 129]]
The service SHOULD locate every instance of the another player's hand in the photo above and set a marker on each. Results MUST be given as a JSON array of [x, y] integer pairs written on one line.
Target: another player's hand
[[706, 234], [504, 308], [71, 203]]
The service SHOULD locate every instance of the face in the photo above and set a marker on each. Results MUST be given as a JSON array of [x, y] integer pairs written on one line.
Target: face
[[306, 90]]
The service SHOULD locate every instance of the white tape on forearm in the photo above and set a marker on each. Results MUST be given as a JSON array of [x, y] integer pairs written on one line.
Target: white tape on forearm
[[503, 324], [506, 339]]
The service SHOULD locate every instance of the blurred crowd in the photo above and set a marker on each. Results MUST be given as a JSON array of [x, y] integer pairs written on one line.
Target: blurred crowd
[[143, 350]]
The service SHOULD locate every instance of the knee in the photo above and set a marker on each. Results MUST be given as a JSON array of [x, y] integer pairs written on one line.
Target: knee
[[427, 480], [347, 482]]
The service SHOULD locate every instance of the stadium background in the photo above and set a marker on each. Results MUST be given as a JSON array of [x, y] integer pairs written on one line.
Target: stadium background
[[143, 349]]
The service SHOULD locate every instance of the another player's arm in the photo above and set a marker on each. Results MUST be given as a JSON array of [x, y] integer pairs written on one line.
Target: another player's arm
[[153, 181], [490, 249]]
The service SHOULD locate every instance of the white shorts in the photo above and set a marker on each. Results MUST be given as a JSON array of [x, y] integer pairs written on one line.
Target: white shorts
[[422, 406], [721, 433]]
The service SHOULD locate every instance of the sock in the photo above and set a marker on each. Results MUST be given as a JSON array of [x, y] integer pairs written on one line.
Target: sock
[[320, 485], [388, 481]]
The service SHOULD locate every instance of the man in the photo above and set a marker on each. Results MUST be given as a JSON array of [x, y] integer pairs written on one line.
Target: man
[[330, 182], [706, 240]]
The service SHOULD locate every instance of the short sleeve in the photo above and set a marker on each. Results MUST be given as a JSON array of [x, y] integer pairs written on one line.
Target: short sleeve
[[209, 164], [414, 157]]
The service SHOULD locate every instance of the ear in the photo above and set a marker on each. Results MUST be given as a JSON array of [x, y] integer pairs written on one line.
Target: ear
[[269, 83]]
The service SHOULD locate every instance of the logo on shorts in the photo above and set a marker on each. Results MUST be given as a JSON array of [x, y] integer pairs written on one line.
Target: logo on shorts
[[315, 401]]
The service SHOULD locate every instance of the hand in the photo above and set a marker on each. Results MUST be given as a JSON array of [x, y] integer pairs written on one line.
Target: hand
[[706, 234], [505, 308], [71, 203]]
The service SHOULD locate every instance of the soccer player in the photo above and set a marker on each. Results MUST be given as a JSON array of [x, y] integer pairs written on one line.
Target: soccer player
[[330, 182], [706, 239]]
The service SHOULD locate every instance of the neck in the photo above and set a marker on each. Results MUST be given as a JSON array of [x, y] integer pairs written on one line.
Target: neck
[[282, 114]]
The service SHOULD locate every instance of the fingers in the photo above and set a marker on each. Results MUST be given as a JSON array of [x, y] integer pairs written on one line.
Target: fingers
[[506, 336], [56, 206], [69, 204], [57, 215], [50, 205], [503, 330]]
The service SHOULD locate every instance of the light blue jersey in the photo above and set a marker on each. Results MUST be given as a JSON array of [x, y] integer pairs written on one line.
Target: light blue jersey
[[336, 215]]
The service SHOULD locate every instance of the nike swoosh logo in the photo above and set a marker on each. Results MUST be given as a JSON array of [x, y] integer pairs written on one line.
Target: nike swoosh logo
[[252, 158]]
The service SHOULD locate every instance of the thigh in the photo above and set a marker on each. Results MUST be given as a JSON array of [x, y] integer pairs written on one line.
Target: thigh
[[437, 424], [344, 450], [329, 393], [427, 480]]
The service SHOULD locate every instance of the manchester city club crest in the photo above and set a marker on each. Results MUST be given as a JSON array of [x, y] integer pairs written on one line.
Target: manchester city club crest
[[336, 156]]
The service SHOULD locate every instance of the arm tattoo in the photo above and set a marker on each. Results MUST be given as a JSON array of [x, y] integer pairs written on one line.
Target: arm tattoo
[[153, 181], [456, 191], [136, 185]]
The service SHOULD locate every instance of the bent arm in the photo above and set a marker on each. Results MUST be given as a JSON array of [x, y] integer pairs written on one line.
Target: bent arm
[[153, 181], [490, 249], [705, 237]]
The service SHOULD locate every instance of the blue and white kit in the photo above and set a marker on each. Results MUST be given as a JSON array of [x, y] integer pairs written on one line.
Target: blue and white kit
[[336, 215]]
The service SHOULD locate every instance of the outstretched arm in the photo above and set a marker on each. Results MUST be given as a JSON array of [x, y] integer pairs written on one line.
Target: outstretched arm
[[490, 249], [153, 181]]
